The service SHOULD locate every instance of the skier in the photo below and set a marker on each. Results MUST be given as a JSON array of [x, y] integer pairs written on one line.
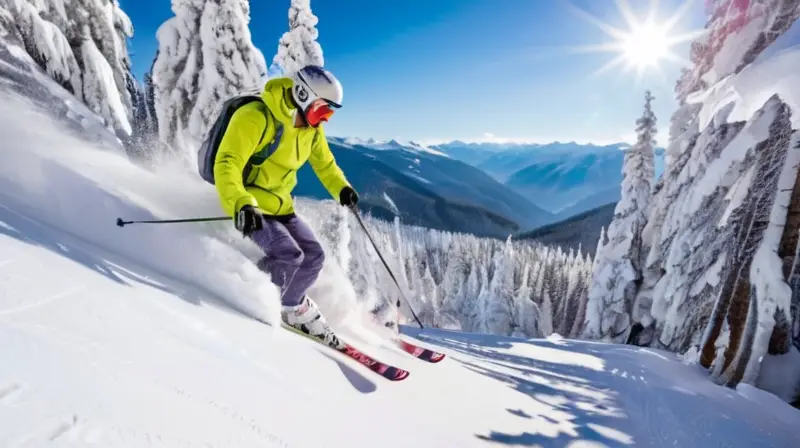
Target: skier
[[292, 112]]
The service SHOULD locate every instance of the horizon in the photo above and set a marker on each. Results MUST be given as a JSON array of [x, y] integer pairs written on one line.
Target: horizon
[[434, 144], [524, 73]]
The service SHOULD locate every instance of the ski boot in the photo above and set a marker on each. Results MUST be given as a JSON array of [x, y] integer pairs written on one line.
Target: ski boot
[[306, 317]]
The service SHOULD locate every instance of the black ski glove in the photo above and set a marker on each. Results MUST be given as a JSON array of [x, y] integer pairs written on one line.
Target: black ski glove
[[348, 197], [249, 220]]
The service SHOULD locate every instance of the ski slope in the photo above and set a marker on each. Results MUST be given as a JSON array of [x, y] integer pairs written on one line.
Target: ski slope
[[160, 336]]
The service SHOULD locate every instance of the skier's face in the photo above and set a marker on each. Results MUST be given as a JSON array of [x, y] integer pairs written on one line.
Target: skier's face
[[318, 112]]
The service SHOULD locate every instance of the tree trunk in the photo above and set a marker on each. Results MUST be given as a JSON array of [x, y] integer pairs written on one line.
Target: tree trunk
[[781, 340], [753, 221]]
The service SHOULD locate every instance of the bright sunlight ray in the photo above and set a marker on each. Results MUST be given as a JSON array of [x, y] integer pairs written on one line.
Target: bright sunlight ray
[[645, 44]]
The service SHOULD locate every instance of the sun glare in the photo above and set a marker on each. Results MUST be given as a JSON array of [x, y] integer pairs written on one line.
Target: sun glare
[[645, 44]]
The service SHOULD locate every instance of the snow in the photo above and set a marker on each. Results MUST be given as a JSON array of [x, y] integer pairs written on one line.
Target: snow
[[99, 88], [83, 46], [775, 370], [144, 360], [205, 44], [752, 87], [391, 203], [298, 47], [609, 312], [766, 271], [734, 49], [393, 144], [418, 177], [756, 131], [737, 195], [159, 335], [22, 75]]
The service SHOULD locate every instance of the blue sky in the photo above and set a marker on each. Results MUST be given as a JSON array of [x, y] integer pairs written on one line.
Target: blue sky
[[465, 69]]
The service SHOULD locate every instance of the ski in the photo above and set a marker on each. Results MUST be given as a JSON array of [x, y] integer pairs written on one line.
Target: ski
[[388, 371], [418, 352]]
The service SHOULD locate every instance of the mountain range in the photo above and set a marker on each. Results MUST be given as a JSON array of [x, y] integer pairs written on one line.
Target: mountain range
[[425, 187], [488, 189], [564, 179], [579, 233]]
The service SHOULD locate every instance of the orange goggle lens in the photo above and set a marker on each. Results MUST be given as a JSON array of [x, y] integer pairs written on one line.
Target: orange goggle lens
[[318, 114]]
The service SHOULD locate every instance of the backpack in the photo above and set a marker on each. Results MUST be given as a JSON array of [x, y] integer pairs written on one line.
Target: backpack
[[207, 154]]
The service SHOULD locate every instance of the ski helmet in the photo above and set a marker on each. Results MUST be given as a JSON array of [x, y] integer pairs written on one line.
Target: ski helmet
[[312, 83]]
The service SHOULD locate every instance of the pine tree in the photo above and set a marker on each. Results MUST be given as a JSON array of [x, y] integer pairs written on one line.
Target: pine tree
[[298, 47], [690, 241], [526, 309], [82, 45], [618, 272], [205, 56], [500, 309]]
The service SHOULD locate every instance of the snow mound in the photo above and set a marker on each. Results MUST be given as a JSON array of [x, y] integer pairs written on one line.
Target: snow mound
[[70, 184]]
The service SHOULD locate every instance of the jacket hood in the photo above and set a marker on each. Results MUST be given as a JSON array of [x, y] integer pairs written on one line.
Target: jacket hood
[[277, 96]]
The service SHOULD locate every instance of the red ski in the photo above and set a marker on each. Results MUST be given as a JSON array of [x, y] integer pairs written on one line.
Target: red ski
[[422, 353], [387, 371]]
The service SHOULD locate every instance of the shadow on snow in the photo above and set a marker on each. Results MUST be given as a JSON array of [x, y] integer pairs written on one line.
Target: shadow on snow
[[575, 396]]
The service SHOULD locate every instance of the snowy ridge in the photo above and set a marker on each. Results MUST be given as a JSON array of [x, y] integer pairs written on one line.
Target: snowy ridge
[[371, 143], [563, 178], [428, 189]]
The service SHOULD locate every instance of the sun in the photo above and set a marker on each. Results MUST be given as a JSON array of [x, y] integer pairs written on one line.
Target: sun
[[645, 44]]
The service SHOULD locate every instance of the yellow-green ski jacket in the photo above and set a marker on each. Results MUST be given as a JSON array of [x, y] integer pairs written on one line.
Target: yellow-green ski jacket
[[269, 185]]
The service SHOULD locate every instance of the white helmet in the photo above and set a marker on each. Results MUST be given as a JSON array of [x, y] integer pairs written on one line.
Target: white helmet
[[313, 82]]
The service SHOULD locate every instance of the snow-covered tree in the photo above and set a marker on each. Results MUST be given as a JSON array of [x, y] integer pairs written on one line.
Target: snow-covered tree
[[458, 281], [618, 273], [298, 47], [526, 311], [500, 311], [719, 274], [82, 45], [205, 56]]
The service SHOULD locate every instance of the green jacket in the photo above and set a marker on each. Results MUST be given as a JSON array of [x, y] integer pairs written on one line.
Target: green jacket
[[269, 185]]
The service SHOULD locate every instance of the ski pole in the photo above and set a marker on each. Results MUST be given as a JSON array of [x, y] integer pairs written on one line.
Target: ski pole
[[122, 223], [386, 265]]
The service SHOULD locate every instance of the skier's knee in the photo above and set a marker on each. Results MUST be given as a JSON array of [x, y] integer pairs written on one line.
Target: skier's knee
[[291, 256], [314, 257]]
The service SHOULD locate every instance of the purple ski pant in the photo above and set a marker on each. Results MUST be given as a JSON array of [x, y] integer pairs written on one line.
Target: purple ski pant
[[293, 256]]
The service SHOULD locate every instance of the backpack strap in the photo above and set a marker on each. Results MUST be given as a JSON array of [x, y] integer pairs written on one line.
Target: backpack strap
[[267, 149]]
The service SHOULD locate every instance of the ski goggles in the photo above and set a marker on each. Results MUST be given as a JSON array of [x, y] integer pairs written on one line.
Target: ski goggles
[[320, 111]]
